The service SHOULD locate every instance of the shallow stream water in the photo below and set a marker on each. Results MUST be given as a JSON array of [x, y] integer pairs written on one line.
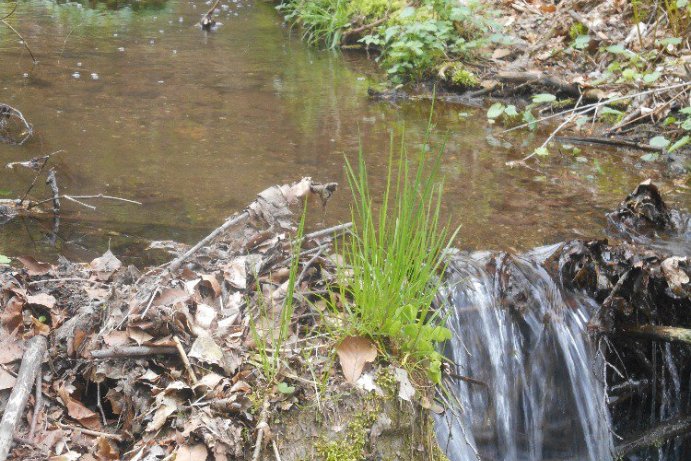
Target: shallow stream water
[[149, 107]]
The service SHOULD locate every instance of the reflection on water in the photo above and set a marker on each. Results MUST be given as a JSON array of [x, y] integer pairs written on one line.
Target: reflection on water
[[193, 124]]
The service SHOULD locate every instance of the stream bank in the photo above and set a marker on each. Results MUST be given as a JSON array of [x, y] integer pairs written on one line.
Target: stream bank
[[612, 72]]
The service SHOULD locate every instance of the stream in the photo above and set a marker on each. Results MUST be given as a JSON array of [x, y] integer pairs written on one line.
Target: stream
[[192, 124], [148, 107]]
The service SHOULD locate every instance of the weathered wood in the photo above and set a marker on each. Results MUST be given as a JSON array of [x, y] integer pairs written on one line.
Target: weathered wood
[[660, 333], [133, 351], [31, 363], [654, 436]]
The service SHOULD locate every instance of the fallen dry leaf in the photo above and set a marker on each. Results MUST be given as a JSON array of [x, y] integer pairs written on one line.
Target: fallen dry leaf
[[105, 265], [42, 299], [353, 353], [106, 450], [78, 411], [34, 267], [194, 453]]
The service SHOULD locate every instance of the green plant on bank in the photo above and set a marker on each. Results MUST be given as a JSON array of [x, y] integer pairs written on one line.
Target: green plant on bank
[[412, 40], [667, 145], [394, 259], [269, 344], [677, 14], [416, 39]]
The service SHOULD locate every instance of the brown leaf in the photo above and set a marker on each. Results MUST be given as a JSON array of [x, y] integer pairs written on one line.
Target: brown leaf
[[12, 314], [79, 412], [170, 296], [105, 265], [10, 349], [353, 353], [34, 267], [106, 450], [209, 282], [194, 453], [42, 299]]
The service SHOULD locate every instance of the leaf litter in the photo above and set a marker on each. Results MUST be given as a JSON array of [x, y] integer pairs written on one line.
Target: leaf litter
[[162, 363]]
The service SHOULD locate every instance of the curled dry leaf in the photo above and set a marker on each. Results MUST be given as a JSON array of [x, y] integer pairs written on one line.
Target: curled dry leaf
[[353, 353], [79, 412], [105, 265], [673, 270]]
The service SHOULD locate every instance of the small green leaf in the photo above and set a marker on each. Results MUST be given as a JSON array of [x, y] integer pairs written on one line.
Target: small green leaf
[[582, 120], [609, 111], [511, 111], [530, 119], [616, 49], [659, 142], [665, 42], [680, 143], [686, 110], [682, 3], [4, 259], [650, 157], [283, 388], [651, 78], [407, 12], [581, 42], [495, 110], [687, 124], [42, 319], [544, 98], [541, 151]]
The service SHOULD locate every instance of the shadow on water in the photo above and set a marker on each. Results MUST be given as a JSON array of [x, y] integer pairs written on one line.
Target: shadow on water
[[192, 124]]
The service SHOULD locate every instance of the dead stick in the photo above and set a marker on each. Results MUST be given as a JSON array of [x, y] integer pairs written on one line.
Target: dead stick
[[660, 333], [38, 402], [655, 436], [133, 351], [177, 262], [107, 435], [184, 359], [261, 428], [53, 183], [31, 362]]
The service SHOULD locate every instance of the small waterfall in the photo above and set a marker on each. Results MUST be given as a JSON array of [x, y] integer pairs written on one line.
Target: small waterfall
[[533, 392]]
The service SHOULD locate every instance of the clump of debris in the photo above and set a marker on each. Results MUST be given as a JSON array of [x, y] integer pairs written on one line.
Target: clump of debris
[[193, 360]]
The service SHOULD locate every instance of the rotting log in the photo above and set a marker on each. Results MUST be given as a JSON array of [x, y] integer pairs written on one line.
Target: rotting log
[[654, 436], [658, 332], [31, 363]]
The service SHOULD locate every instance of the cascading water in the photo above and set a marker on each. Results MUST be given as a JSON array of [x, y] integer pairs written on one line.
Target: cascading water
[[533, 392]]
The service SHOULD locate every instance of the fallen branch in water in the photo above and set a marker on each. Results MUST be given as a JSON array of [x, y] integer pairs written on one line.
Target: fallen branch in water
[[654, 436], [7, 111], [660, 333], [77, 198], [31, 363]]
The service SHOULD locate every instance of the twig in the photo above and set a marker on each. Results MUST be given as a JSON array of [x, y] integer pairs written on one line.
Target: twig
[[133, 351], [261, 428], [106, 435], [361, 29], [185, 360], [664, 431], [26, 45], [38, 402], [608, 142], [68, 279], [76, 198], [277, 455], [45, 159], [9, 110], [26, 378], [99, 405], [53, 184], [177, 262], [328, 231], [307, 266]]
